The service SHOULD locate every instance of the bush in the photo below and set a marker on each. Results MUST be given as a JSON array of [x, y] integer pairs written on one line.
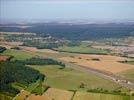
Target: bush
[[41, 61], [82, 85], [2, 49], [96, 59], [16, 48], [132, 94]]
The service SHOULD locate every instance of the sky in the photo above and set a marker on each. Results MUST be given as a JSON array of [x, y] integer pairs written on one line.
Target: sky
[[30, 10]]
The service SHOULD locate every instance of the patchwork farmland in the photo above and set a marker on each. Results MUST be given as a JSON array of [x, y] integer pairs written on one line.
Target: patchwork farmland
[[59, 94], [73, 74]]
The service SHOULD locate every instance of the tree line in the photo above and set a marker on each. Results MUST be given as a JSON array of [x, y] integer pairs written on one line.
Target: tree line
[[40, 61]]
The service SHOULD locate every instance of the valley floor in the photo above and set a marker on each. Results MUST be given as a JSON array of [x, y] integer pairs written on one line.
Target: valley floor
[[83, 73]]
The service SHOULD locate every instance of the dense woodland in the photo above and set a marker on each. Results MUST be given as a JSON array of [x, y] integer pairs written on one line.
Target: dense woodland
[[78, 32], [40, 61], [16, 71], [41, 45], [11, 72]]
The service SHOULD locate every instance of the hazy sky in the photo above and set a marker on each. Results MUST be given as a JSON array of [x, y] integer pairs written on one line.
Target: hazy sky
[[54, 9]]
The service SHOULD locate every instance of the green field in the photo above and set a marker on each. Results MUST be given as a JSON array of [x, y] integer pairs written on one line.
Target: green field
[[130, 62], [18, 54], [82, 49], [99, 96], [35, 87], [71, 79], [5, 97], [32, 86], [18, 86]]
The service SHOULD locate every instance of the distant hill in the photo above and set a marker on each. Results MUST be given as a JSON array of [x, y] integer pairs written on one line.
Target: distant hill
[[74, 31]]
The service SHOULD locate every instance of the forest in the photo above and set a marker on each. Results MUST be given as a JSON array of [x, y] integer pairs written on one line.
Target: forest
[[16, 72], [77, 31], [41, 45]]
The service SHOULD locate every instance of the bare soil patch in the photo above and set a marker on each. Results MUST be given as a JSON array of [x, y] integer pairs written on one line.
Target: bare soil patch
[[3, 58]]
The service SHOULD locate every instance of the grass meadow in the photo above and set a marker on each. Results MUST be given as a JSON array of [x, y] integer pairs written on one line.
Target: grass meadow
[[83, 49], [19, 54], [71, 79]]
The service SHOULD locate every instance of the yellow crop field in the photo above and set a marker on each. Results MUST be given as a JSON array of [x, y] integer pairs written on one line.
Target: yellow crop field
[[38, 97], [33, 49], [59, 94], [106, 63]]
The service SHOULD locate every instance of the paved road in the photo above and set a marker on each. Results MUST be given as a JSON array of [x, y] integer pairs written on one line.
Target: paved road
[[117, 79]]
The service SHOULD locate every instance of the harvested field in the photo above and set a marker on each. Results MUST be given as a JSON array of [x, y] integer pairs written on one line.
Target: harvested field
[[22, 95], [59, 94], [102, 57], [38, 97], [12, 44], [4, 58], [9, 45], [33, 49], [113, 67], [106, 63]]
